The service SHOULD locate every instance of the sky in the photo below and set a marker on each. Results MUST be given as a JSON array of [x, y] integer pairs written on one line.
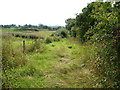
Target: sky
[[47, 12]]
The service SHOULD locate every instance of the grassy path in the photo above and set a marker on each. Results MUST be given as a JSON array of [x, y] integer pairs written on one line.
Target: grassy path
[[61, 65]]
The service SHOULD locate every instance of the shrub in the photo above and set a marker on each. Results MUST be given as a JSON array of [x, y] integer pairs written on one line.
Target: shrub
[[61, 32], [48, 40], [56, 38], [36, 46]]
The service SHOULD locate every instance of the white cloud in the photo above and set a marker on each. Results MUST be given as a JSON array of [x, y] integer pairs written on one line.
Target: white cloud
[[49, 12]]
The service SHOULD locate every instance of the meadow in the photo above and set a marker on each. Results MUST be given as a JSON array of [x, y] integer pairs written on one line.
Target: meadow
[[83, 54], [50, 62]]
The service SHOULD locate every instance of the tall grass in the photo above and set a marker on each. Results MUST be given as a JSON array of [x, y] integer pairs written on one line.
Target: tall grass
[[66, 63], [13, 56]]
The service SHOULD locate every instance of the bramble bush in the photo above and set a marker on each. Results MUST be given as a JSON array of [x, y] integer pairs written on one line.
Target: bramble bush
[[99, 24]]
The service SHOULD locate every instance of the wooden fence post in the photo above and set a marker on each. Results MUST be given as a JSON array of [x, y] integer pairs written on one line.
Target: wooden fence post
[[10, 47], [23, 46], [35, 43]]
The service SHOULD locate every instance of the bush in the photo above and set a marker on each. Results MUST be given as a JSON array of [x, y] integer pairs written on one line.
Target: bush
[[48, 40], [56, 38], [61, 32], [36, 46]]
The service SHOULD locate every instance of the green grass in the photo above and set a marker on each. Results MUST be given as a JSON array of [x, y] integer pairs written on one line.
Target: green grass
[[60, 64], [63, 64], [13, 30], [17, 30], [44, 33], [43, 30]]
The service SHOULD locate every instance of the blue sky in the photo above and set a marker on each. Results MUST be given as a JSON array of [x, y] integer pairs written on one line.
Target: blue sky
[[48, 12]]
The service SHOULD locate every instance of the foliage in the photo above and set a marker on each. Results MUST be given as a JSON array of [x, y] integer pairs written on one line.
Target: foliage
[[56, 61], [12, 57], [70, 64], [99, 24], [48, 40], [61, 32]]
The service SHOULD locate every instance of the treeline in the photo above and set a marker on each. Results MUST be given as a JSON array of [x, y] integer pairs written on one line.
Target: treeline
[[99, 24], [28, 26]]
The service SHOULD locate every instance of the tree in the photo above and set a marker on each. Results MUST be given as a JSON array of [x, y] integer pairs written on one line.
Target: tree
[[69, 24]]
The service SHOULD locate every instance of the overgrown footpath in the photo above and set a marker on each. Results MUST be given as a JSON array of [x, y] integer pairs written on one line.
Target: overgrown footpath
[[63, 63], [58, 60]]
